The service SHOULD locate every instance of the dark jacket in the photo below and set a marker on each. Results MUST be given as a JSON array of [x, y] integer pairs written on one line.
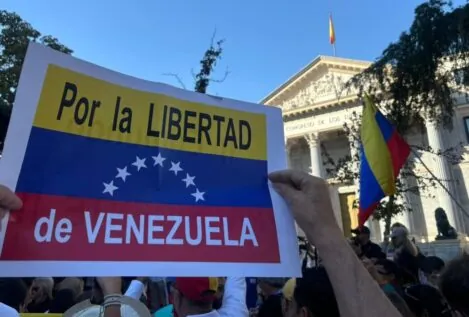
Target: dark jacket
[[372, 250], [271, 307]]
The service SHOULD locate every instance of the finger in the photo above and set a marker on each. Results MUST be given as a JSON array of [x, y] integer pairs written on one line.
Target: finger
[[298, 179], [284, 176], [8, 199], [286, 191]]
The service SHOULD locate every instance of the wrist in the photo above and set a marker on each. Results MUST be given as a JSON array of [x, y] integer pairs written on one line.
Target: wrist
[[112, 300], [326, 238], [108, 291]]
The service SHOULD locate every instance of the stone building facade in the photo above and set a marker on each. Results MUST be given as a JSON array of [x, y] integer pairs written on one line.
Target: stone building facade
[[315, 106]]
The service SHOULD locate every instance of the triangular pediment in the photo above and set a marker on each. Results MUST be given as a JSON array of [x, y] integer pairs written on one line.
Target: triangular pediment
[[320, 82]]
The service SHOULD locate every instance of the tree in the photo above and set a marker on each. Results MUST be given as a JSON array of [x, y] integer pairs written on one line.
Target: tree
[[15, 35], [207, 66], [420, 76]]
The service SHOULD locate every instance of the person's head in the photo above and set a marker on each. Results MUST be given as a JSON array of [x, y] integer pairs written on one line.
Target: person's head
[[362, 234], [41, 289], [454, 284], [193, 295], [399, 236], [74, 284], [13, 292], [356, 247], [397, 225], [270, 285], [431, 268], [387, 270], [310, 296]]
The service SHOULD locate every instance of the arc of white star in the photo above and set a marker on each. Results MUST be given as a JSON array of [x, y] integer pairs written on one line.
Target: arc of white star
[[122, 173], [176, 168], [139, 163], [198, 195], [189, 180], [158, 160], [109, 188]]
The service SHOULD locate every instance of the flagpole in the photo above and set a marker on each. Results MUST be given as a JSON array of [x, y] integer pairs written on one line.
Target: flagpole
[[333, 49], [440, 183]]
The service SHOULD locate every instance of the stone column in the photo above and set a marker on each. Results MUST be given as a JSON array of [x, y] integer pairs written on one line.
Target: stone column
[[441, 169], [409, 216], [315, 153]]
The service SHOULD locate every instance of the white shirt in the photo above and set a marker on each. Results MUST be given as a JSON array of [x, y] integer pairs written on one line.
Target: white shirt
[[234, 300], [7, 311]]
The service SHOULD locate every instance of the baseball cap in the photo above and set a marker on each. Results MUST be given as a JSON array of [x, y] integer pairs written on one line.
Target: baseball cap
[[197, 289], [362, 229], [289, 289]]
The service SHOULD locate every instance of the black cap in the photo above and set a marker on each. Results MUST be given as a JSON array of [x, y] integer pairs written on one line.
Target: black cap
[[362, 229]]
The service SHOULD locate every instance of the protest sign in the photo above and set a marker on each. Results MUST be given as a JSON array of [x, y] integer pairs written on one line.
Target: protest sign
[[121, 176]]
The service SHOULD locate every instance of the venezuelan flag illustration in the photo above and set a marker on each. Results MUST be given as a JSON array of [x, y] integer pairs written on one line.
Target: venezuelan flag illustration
[[383, 154], [112, 173]]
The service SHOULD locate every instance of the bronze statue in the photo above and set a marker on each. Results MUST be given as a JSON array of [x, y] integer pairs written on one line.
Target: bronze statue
[[445, 230]]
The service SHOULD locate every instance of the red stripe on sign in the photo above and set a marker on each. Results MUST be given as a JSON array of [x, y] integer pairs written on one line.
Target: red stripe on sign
[[75, 229]]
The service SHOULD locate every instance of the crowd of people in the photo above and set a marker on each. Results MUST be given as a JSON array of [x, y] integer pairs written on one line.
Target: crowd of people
[[346, 277]]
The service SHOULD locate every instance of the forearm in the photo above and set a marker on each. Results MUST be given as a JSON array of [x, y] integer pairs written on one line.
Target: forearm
[[357, 294], [112, 311], [112, 294]]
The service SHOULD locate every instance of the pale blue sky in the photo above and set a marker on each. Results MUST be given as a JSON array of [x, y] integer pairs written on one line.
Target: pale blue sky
[[266, 41]]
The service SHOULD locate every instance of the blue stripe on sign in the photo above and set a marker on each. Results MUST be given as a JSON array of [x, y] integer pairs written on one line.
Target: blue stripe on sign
[[58, 163]]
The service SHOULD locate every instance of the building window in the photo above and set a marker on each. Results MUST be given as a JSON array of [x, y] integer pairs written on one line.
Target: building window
[[466, 127]]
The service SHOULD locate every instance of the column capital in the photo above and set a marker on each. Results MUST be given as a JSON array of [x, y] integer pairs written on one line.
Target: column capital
[[431, 123], [312, 139]]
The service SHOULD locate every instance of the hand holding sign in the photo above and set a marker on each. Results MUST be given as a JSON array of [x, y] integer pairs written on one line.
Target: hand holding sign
[[308, 199], [8, 201]]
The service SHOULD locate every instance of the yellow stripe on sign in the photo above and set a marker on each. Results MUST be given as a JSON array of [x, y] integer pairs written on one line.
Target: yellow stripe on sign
[[82, 105]]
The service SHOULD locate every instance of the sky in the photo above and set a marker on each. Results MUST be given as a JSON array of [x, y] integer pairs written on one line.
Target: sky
[[266, 42]]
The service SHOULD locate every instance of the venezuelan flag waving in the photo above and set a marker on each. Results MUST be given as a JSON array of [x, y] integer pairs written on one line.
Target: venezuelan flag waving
[[383, 153]]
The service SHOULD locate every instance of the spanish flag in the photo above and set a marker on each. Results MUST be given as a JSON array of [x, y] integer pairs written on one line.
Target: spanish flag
[[383, 154], [331, 31]]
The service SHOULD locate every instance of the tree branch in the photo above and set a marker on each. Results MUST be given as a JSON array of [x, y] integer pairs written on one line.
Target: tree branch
[[177, 78], [227, 72]]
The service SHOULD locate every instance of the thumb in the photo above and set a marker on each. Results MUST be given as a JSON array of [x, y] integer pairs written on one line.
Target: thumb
[[8, 199], [286, 191]]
